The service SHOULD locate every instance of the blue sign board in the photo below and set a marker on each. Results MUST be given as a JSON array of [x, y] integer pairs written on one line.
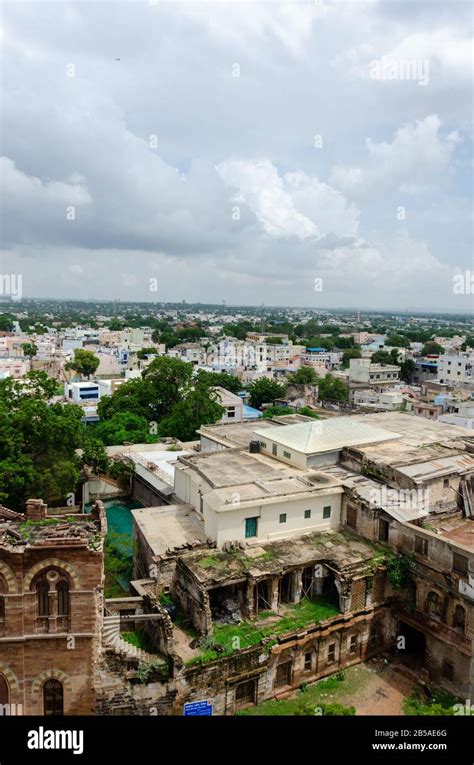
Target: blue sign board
[[198, 709]]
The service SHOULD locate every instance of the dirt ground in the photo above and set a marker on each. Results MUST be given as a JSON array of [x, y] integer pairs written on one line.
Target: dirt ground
[[382, 691]]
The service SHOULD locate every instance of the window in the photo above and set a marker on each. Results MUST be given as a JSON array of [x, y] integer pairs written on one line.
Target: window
[[433, 605], [263, 444], [353, 644], [308, 662], [351, 516], [53, 698], [448, 671], [460, 563], [421, 546], [307, 513], [374, 638], [63, 598], [282, 517], [251, 527], [4, 691], [274, 449], [283, 674], [245, 693], [287, 455], [331, 653], [327, 511], [3, 589], [383, 530], [459, 618], [42, 598], [446, 483]]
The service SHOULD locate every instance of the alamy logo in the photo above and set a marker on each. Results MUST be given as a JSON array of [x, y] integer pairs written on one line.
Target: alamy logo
[[12, 285], [385, 68], [56, 739]]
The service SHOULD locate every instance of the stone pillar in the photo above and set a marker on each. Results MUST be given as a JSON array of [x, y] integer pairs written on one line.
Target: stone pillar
[[273, 592], [297, 586], [36, 510]]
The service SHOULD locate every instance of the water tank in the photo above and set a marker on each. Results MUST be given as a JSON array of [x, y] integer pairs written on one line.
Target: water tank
[[254, 447]]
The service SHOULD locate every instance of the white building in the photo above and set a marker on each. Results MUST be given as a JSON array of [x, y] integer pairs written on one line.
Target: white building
[[82, 392], [363, 371], [389, 400], [456, 368], [233, 405]]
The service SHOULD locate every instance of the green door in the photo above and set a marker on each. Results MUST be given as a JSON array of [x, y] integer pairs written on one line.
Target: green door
[[251, 527]]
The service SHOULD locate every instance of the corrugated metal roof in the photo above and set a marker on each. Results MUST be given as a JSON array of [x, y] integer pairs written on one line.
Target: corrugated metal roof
[[326, 435]]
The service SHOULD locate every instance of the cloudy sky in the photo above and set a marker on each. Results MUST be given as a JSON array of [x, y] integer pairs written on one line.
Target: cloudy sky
[[239, 151]]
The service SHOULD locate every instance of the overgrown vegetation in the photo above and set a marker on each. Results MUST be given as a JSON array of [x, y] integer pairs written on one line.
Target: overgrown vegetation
[[438, 702], [228, 637], [399, 570]]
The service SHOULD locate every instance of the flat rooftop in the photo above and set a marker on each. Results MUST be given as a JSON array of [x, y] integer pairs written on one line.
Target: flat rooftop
[[456, 529], [319, 436], [341, 550], [241, 433], [421, 439], [169, 526], [232, 467]]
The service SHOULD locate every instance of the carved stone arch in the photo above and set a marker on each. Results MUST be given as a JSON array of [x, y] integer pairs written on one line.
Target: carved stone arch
[[9, 577], [51, 674], [52, 563], [10, 677]]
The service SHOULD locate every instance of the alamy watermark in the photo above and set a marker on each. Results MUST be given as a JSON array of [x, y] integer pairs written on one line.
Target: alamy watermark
[[11, 285], [386, 68]]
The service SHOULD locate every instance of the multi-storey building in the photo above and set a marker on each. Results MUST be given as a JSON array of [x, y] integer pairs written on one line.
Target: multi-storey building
[[51, 603]]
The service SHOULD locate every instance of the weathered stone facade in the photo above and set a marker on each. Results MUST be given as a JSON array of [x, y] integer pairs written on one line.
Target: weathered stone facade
[[51, 579]]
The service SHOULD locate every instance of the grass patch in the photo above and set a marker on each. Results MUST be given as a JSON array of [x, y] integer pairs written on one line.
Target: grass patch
[[226, 638], [209, 562], [136, 638]]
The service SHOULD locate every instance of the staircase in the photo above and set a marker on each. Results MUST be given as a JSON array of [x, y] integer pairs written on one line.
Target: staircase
[[113, 639]]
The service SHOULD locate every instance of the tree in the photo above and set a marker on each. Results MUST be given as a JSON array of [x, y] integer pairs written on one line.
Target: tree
[[6, 323], [407, 368], [125, 427], [115, 325], [400, 341], [200, 407], [350, 353], [332, 389], [468, 343], [29, 349], [84, 362], [222, 379], [264, 391], [432, 349], [39, 442], [164, 383], [305, 375], [144, 352]]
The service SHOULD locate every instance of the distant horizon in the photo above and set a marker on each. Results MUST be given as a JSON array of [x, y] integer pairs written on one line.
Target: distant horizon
[[228, 306]]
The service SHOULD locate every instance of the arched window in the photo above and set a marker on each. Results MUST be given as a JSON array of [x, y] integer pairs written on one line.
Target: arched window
[[459, 618], [434, 604], [3, 589], [42, 597], [53, 698], [63, 598], [4, 691]]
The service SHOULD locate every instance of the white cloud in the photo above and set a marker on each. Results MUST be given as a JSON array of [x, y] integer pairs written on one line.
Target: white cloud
[[292, 204], [417, 158]]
